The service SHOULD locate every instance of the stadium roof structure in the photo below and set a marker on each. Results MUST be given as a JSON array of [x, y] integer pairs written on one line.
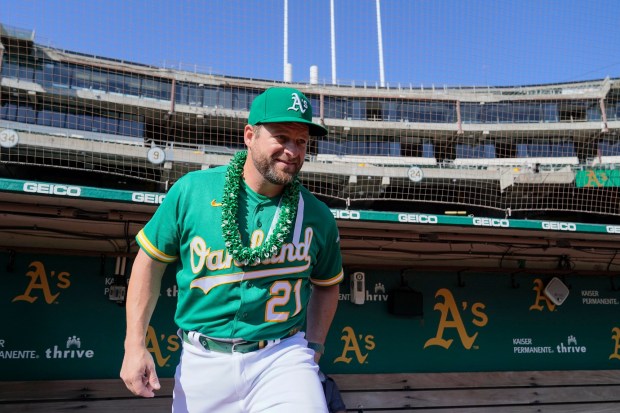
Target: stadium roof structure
[[502, 179]]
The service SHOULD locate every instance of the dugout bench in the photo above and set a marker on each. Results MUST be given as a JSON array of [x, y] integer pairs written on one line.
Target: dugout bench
[[510, 392]]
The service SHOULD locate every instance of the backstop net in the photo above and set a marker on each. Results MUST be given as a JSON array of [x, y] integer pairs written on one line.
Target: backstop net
[[454, 108]]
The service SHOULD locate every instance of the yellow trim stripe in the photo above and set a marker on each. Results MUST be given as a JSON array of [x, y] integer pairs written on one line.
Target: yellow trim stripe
[[152, 251], [332, 281]]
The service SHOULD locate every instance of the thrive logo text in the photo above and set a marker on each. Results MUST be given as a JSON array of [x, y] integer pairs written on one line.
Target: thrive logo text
[[72, 350], [571, 346]]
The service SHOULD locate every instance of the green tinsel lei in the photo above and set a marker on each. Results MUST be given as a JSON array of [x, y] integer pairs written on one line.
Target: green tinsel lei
[[230, 207]]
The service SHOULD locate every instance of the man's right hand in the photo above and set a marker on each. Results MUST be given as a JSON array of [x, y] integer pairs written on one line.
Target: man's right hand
[[138, 373]]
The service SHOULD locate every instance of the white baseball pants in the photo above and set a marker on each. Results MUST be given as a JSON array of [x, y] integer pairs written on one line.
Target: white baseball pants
[[280, 378]]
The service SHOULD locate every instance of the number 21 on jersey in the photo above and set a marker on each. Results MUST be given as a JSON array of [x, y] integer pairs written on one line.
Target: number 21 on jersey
[[280, 297]]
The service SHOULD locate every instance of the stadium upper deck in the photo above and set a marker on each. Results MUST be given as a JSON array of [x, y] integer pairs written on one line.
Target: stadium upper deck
[[506, 151]]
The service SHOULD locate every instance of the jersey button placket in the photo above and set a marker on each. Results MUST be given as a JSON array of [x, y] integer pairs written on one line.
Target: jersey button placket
[[259, 210]]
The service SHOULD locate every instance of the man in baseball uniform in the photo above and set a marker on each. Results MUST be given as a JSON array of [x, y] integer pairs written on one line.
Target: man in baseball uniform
[[257, 259]]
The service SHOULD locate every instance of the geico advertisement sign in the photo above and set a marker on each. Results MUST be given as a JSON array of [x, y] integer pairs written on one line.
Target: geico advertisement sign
[[52, 189], [147, 198], [418, 218], [559, 226], [76, 191], [491, 222], [345, 214]]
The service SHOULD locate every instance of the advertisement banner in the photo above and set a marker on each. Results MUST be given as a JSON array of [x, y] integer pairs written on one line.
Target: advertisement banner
[[60, 323], [476, 322], [597, 178]]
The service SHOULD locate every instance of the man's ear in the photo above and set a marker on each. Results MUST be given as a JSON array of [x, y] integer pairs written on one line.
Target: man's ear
[[248, 135]]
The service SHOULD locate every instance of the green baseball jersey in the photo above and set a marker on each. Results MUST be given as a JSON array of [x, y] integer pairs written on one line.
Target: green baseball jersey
[[217, 297]]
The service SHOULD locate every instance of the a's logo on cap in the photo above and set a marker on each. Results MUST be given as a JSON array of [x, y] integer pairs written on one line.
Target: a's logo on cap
[[298, 103]]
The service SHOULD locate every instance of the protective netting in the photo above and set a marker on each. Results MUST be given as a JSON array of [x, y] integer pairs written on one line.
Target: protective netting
[[505, 150]]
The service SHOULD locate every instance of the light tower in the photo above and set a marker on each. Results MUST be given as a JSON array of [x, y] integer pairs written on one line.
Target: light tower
[[380, 41], [288, 69], [333, 39]]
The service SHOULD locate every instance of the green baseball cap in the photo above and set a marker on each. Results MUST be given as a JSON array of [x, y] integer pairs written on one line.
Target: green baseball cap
[[284, 104]]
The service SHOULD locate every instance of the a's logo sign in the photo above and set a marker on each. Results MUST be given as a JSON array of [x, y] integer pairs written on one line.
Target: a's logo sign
[[593, 178], [451, 318], [171, 344], [541, 299], [40, 281], [615, 335], [351, 344], [299, 104]]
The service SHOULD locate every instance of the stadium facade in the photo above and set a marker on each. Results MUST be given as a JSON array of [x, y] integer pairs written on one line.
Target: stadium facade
[[412, 174], [479, 198]]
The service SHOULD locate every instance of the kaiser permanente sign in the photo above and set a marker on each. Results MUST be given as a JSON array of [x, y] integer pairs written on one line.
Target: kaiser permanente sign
[[155, 198]]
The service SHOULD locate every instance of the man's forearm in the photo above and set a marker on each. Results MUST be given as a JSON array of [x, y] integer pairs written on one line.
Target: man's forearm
[[138, 369], [142, 296], [321, 311]]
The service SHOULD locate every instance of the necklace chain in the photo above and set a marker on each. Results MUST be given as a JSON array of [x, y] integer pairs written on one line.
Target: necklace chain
[[230, 208]]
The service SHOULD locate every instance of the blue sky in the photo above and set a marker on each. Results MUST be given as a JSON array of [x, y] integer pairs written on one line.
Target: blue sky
[[430, 42]]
